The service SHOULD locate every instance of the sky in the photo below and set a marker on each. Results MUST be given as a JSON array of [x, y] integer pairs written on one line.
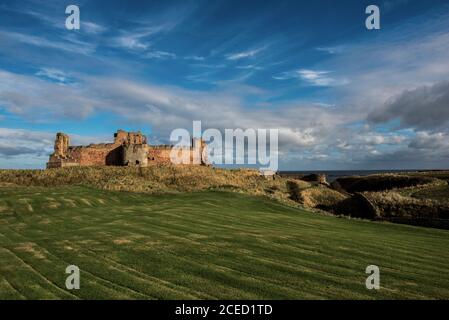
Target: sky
[[342, 96]]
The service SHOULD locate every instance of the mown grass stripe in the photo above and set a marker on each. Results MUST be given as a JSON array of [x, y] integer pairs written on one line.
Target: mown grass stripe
[[213, 245]]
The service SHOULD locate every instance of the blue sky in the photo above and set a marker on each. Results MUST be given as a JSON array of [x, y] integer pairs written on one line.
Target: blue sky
[[343, 97]]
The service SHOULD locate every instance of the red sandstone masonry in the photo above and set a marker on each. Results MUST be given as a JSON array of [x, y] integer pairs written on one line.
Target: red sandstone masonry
[[119, 153]]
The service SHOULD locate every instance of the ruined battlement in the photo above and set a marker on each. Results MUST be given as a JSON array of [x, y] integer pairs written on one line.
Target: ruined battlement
[[123, 137], [128, 149]]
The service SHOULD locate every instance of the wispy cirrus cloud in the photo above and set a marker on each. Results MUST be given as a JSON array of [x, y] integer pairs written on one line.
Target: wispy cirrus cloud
[[132, 41], [67, 44], [250, 67], [151, 27], [54, 74], [195, 58], [141, 37], [157, 54], [332, 49], [92, 27], [54, 20], [245, 54], [316, 78], [312, 77]]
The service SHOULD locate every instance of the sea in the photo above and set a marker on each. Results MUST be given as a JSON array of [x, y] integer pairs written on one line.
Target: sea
[[332, 175]]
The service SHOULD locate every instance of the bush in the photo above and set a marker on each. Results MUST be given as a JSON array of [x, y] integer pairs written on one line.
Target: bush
[[357, 206], [293, 190]]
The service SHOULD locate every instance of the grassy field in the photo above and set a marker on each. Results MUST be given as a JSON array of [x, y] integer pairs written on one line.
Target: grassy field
[[205, 245]]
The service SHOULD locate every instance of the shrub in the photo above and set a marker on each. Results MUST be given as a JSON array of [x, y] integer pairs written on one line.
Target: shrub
[[293, 190]]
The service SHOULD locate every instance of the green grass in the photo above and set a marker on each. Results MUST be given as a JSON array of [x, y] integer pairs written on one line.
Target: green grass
[[205, 245]]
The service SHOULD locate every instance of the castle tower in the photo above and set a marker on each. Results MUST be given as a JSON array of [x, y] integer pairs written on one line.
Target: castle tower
[[62, 143], [124, 137], [135, 155], [120, 137], [134, 148]]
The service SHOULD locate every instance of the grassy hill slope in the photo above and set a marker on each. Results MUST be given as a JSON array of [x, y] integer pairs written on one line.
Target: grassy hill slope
[[205, 245], [155, 179]]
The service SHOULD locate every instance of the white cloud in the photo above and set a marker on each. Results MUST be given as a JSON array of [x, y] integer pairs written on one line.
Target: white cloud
[[53, 74], [250, 67], [245, 54], [425, 107], [160, 55], [69, 45], [164, 108], [430, 141], [32, 97], [316, 78], [325, 105], [307, 129], [374, 139], [140, 39], [312, 77], [21, 148], [396, 65], [132, 42], [195, 58], [92, 27], [332, 50], [209, 66], [24, 149]]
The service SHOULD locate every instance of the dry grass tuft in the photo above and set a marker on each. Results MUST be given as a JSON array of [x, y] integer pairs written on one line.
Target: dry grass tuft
[[393, 204], [321, 197]]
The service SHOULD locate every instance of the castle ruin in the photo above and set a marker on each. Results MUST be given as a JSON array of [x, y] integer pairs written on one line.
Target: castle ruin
[[128, 149]]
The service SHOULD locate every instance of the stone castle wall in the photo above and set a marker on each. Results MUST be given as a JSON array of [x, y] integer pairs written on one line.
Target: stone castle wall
[[128, 149], [135, 155], [97, 155], [159, 155]]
